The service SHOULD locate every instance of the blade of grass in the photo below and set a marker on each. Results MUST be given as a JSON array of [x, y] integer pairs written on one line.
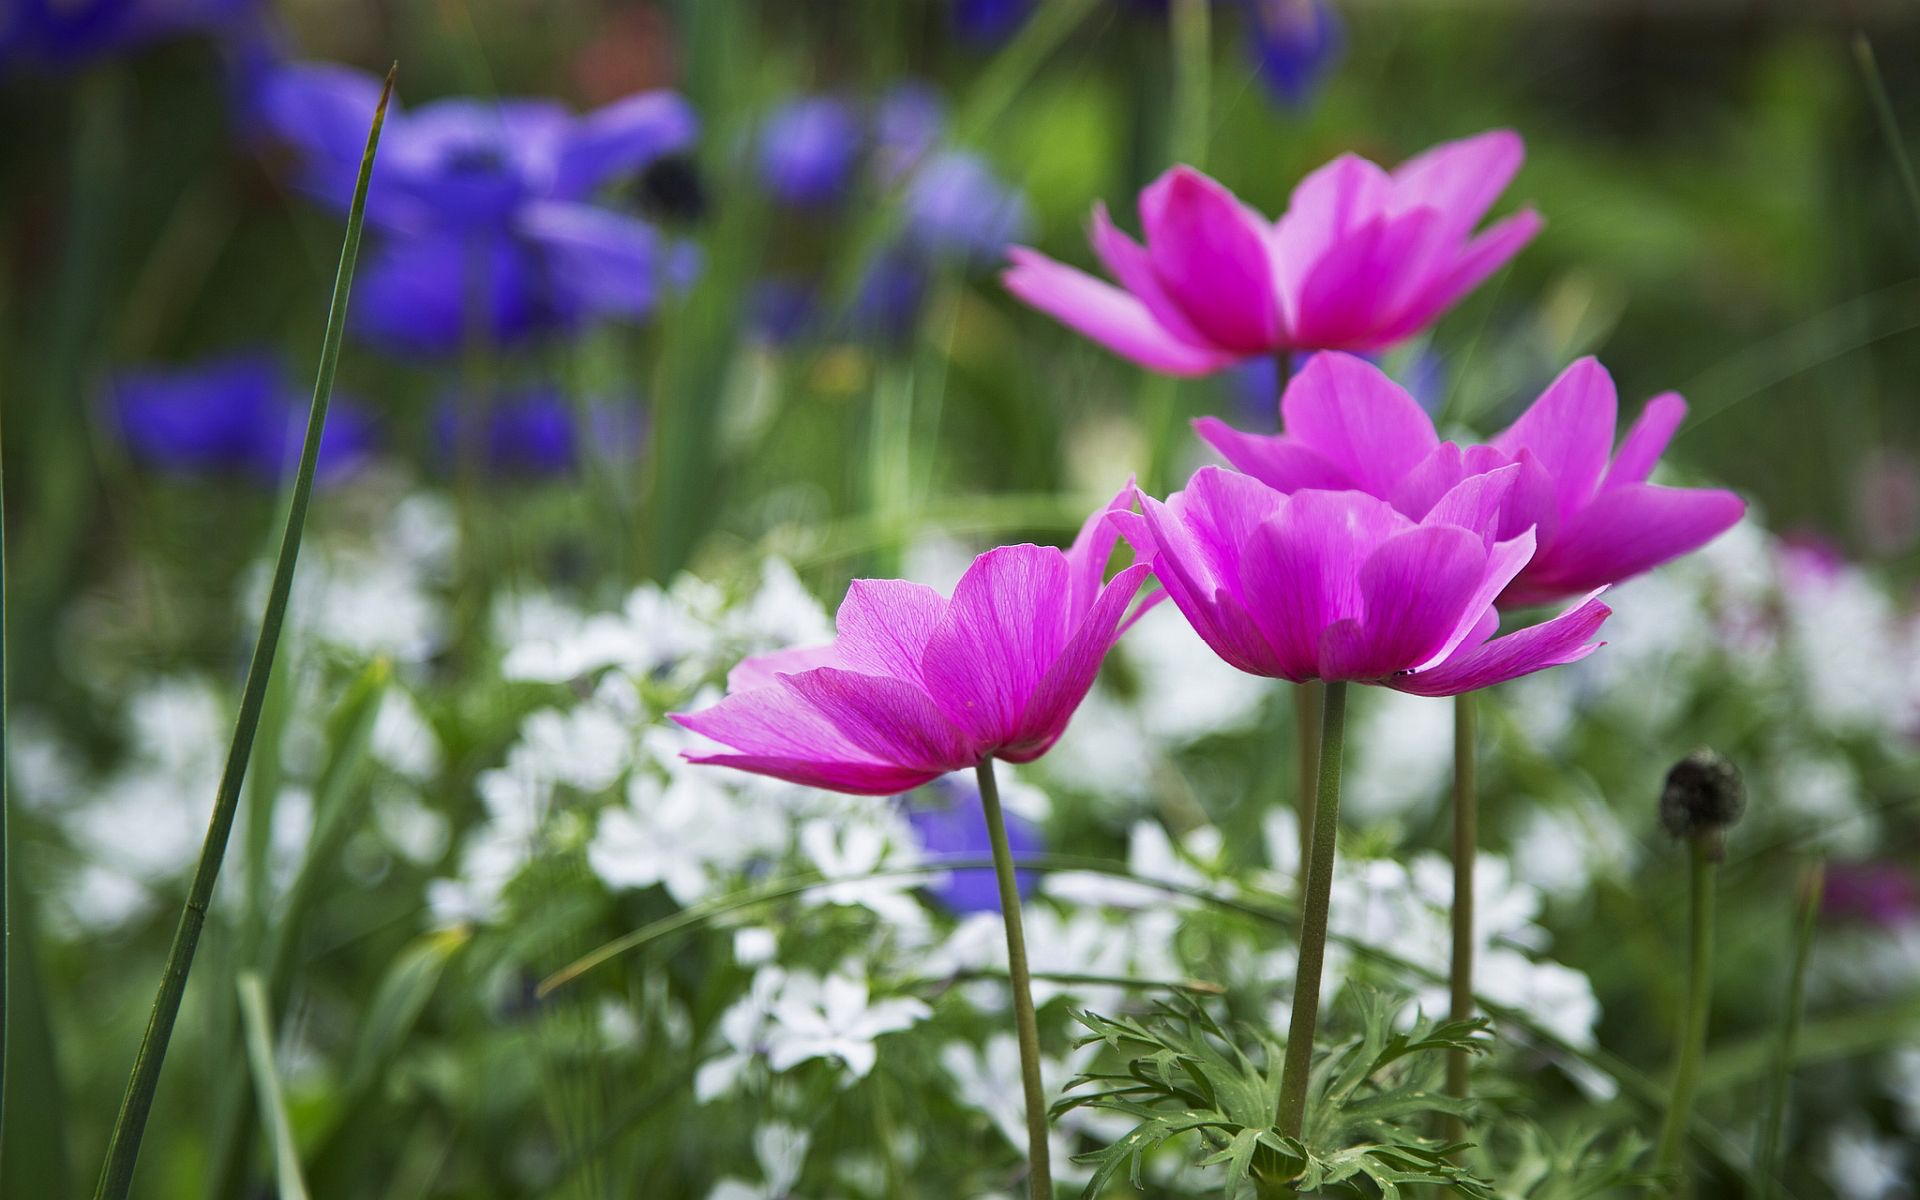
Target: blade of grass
[[123, 1151], [1766, 1159], [1889, 124], [258, 1024]]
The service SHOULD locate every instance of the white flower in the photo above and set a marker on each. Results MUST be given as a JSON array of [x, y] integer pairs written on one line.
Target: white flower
[[587, 748], [1862, 1165], [781, 1151], [989, 1080], [834, 1018], [1401, 758], [855, 855], [403, 742], [1563, 847], [741, 1029], [1185, 691], [1903, 1081]]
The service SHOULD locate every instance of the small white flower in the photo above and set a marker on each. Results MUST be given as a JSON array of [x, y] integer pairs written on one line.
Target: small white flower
[[587, 748], [403, 742], [1862, 1165], [834, 1018]]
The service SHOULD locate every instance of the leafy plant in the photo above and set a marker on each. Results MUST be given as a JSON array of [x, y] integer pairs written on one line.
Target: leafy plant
[[1369, 1099]]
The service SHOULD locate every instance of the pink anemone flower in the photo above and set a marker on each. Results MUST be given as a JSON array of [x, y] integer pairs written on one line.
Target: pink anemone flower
[[916, 685], [1597, 522], [1339, 585], [1361, 259]]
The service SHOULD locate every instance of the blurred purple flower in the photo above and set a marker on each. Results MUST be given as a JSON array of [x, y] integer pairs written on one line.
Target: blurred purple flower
[[985, 22], [908, 123], [486, 206], [958, 208], [535, 432], [63, 34], [232, 416], [950, 823], [1294, 43], [808, 148], [1877, 893]]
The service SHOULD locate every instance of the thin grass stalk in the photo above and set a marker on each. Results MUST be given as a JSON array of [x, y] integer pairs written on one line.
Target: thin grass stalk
[[258, 1025], [1317, 898], [1026, 1027], [1466, 836], [1889, 124], [1766, 1159], [123, 1150], [6, 912], [1693, 1034]]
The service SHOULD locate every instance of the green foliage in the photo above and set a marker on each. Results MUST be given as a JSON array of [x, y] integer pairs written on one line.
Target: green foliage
[[1579, 1166], [1370, 1097]]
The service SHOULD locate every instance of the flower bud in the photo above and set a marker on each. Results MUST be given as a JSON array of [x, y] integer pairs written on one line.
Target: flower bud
[[1703, 796]]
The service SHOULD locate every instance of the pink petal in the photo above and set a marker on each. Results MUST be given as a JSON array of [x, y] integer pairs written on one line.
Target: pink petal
[[764, 670], [1460, 178], [1098, 310], [1482, 257], [1534, 502], [1325, 207], [1549, 644], [889, 719], [1476, 502], [1505, 560], [1006, 624], [1364, 423], [1626, 530], [780, 734], [1066, 682], [1185, 571], [1300, 571], [1414, 593], [856, 779], [1353, 295], [1569, 429], [884, 625], [1280, 462], [1127, 261], [1640, 450], [1210, 254]]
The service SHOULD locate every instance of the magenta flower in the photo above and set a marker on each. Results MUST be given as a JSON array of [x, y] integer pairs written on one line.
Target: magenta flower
[[1361, 259], [1346, 425], [1339, 585], [917, 685]]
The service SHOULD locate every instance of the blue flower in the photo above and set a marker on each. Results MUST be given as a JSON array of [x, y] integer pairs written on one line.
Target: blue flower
[[486, 208], [535, 432], [958, 208], [808, 150], [235, 416], [957, 829], [1294, 43], [988, 21], [63, 34], [908, 123]]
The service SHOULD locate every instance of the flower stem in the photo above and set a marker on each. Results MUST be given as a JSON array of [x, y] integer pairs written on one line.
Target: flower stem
[[123, 1150], [1291, 1115], [1308, 703], [1466, 825], [1703, 853], [1766, 1160], [1026, 1027]]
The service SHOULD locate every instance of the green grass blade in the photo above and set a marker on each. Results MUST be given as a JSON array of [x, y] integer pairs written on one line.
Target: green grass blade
[[258, 1024], [123, 1151], [1889, 124], [1766, 1160]]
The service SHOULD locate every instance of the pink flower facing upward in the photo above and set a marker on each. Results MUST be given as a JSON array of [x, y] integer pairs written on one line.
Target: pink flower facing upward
[[1339, 585], [1346, 425], [1362, 259], [916, 685]]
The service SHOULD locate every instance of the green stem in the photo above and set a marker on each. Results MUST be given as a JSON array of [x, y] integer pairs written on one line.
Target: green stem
[[1292, 1112], [1703, 853], [123, 1151], [1309, 702], [1026, 1026], [1466, 824], [1766, 1162]]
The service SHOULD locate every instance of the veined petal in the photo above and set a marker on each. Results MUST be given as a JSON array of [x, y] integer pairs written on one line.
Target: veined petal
[[1646, 440], [1505, 560], [1626, 530], [884, 625], [1300, 570], [888, 719], [853, 778], [1003, 629], [1159, 534], [1563, 639], [1352, 296], [1415, 591], [1482, 256], [1210, 254], [1127, 261], [1282, 463], [1066, 682], [1460, 178], [1569, 429], [1350, 412], [1110, 316], [764, 670], [1325, 206], [1476, 502], [1092, 547], [778, 733]]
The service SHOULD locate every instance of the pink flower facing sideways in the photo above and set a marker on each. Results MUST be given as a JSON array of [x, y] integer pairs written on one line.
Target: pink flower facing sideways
[[916, 685], [1597, 522], [1361, 259], [1338, 585]]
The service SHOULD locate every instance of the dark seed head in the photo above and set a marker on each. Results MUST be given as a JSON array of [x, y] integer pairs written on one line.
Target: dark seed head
[[1703, 796]]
